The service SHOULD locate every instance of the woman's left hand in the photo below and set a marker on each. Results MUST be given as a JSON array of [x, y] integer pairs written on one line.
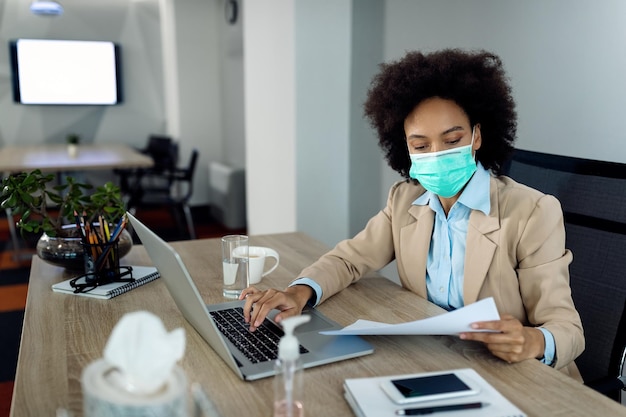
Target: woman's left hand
[[511, 341]]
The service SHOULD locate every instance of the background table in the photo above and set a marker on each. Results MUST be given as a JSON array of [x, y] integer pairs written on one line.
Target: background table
[[55, 158], [63, 333]]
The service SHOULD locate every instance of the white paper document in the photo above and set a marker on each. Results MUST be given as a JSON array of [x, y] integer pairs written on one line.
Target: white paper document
[[451, 323]]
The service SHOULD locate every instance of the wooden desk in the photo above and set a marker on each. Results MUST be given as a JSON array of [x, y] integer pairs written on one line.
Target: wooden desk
[[55, 158], [63, 333]]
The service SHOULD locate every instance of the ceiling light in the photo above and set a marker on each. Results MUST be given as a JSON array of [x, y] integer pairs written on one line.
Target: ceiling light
[[46, 8]]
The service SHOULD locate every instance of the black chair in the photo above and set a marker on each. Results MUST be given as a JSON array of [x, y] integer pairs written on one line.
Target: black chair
[[164, 153], [169, 187], [593, 196]]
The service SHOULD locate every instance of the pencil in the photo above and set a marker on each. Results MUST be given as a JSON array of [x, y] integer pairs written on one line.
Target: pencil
[[80, 226], [118, 229], [92, 241], [101, 226], [107, 238], [107, 235]]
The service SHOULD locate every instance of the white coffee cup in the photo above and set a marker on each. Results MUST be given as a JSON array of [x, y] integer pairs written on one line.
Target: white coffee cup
[[256, 261]]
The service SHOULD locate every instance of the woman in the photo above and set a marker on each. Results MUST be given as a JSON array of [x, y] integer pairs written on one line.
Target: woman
[[458, 229]]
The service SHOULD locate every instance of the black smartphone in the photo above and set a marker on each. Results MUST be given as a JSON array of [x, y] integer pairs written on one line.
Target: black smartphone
[[429, 387]]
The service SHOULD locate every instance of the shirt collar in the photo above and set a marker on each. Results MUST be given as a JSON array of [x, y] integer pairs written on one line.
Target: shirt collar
[[475, 196]]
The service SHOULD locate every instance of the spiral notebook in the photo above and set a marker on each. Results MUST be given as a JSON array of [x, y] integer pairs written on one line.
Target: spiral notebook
[[142, 275]]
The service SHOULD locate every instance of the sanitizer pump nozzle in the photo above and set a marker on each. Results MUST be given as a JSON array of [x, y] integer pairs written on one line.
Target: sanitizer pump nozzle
[[288, 380]]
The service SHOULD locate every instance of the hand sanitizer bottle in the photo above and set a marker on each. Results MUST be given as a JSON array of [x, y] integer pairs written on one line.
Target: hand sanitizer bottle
[[288, 380]]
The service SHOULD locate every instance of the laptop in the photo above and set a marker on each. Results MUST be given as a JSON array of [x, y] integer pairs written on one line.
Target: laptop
[[223, 327]]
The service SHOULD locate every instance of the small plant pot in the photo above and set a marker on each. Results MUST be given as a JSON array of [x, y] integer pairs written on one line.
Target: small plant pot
[[72, 150]]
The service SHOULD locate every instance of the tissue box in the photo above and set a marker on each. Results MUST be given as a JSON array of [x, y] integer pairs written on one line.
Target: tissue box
[[103, 398]]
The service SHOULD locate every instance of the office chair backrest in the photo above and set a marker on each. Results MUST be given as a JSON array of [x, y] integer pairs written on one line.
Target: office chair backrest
[[164, 152], [191, 168], [593, 196], [187, 174]]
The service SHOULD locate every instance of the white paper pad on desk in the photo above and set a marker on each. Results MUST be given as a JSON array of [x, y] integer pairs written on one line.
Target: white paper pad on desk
[[454, 322], [367, 399]]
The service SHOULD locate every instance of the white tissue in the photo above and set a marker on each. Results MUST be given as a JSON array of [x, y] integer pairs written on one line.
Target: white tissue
[[143, 352]]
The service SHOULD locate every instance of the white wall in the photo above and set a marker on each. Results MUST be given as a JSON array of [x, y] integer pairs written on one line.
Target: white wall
[[323, 72], [135, 26], [233, 134], [320, 81], [364, 153], [198, 42], [269, 85]]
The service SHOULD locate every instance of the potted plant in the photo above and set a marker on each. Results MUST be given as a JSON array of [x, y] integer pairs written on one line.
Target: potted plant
[[55, 210], [72, 144]]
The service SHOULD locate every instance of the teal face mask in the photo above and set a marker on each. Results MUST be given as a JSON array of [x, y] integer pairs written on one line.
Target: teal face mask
[[444, 173]]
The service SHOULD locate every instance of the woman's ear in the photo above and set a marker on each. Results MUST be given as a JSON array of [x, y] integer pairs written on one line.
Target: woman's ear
[[478, 141]]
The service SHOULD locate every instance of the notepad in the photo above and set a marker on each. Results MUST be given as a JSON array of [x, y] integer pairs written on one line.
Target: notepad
[[142, 275], [367, 398]]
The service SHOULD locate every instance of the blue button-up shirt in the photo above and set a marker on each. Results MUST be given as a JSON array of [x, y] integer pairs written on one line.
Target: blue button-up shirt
[[446, 256]]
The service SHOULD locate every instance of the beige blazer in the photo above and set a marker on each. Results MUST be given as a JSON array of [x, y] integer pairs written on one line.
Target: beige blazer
[[516, 255]]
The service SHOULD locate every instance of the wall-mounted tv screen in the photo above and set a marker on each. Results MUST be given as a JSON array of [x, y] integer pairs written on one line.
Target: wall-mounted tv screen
[[65, 72]]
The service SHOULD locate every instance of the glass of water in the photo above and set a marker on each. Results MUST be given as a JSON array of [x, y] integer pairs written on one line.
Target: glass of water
[[235, 265]]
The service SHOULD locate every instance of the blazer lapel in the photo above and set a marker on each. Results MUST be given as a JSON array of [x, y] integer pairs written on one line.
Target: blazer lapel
[[415, 241], [480, 247]]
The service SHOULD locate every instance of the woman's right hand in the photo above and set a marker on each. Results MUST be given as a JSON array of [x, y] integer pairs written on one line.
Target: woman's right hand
[[259, 303]]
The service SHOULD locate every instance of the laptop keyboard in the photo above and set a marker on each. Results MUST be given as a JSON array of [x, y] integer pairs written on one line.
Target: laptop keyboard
[[258, 346]]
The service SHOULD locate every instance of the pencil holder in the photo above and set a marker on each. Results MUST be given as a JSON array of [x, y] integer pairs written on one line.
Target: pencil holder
[[102, 261], [102, 267]]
